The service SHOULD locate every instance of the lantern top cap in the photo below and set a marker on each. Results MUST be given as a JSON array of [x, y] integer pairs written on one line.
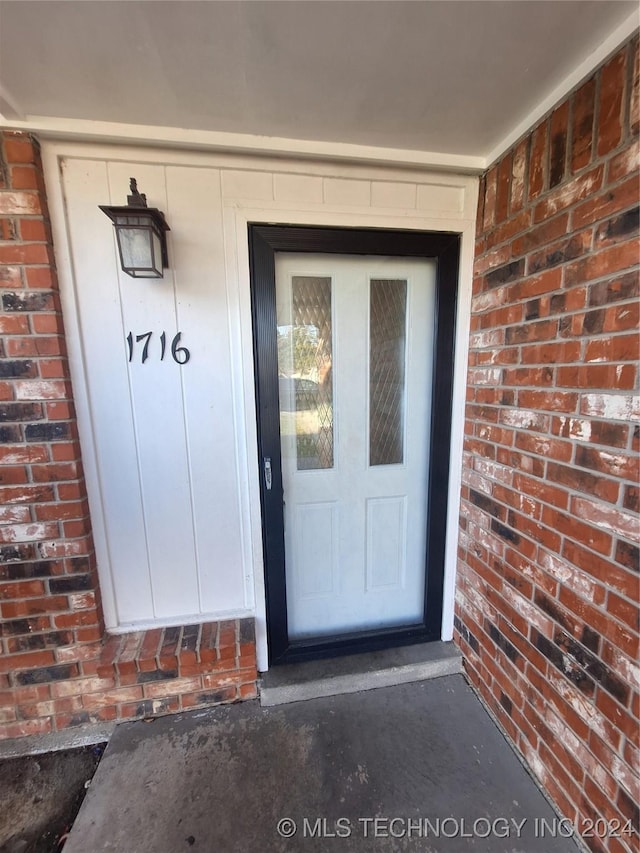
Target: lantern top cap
[[136, 206]]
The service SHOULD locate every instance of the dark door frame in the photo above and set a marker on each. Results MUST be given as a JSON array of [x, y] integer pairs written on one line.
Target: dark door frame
[[444, 248]]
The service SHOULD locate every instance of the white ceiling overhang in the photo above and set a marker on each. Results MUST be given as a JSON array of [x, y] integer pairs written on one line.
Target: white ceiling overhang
[[435, 84]]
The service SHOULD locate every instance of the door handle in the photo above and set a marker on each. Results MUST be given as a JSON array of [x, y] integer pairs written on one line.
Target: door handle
[[267, 473]]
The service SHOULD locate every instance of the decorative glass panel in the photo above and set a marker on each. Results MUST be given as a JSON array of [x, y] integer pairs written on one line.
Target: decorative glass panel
[[305, 368], [137, 251], [388, 332]]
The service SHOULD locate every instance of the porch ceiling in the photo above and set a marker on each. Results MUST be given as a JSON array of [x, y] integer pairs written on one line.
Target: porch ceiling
[[458, 78]]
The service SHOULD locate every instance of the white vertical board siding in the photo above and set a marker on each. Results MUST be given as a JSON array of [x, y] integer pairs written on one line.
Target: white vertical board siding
[[116, 498], [167, 482], [207, 390], [170, 450]]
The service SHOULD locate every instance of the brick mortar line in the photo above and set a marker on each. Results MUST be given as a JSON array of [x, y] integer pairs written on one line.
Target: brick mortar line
[[475, 417], [551, 388], [586, 309], [548, 389], [596, 336], [573, 443], [569, 491]]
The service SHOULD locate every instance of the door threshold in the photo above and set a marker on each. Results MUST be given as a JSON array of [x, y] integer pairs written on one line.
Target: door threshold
[[353, 673]]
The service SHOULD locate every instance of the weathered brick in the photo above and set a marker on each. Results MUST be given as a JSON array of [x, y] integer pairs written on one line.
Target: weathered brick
[[489, 197], [20, 149], [612, 89], [20, 411], [24, 178], [622, 288], [628, 555], [175, 687], [518, 177], [558, 144], [507, 230], [73, 583], [508, 272], [23, 253], [559, 253], [41, 675], [565, 195], [615, 464], [583, 114], [615, 200], [48, 432], [22, 203], [618, 228], [34, 230], [537, 161], [503, 189], [605, 262]]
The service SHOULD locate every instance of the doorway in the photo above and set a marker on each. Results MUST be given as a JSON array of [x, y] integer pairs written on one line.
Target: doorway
[[353, 348]]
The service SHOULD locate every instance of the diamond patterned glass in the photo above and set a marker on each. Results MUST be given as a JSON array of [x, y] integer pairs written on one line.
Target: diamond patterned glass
[[388, 324], [305, 367]]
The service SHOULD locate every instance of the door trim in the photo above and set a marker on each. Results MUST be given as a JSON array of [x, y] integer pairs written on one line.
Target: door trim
[[444, 248]]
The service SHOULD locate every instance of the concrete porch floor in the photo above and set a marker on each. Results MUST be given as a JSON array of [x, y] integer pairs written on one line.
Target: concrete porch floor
[[241, 778]]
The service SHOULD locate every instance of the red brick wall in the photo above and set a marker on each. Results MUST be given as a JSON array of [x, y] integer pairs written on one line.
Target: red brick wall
[[51, 622], [547, 595], [54, 670]]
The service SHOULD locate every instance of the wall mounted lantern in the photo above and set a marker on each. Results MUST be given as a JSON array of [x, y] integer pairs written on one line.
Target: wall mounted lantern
[[140, 232]]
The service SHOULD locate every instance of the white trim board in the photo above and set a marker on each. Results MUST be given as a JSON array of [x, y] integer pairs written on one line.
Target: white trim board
[[55, 128]]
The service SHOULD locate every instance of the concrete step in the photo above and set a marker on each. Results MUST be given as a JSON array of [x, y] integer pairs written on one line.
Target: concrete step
[[350, 674]]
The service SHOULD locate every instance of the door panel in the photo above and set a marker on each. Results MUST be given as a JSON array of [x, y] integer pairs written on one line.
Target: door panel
[[312, 553], [355, 344], [386, 544]]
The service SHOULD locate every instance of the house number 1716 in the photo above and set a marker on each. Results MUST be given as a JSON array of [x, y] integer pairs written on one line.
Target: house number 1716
[[180, 355]]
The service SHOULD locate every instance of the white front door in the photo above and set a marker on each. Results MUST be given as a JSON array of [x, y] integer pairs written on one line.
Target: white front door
[[355, 357]]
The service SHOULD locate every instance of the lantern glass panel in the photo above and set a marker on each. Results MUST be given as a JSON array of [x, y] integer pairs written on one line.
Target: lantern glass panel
[[136, 247]]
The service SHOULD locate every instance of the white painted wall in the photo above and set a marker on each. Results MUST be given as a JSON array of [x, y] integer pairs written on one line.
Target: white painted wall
[[170, 451]]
